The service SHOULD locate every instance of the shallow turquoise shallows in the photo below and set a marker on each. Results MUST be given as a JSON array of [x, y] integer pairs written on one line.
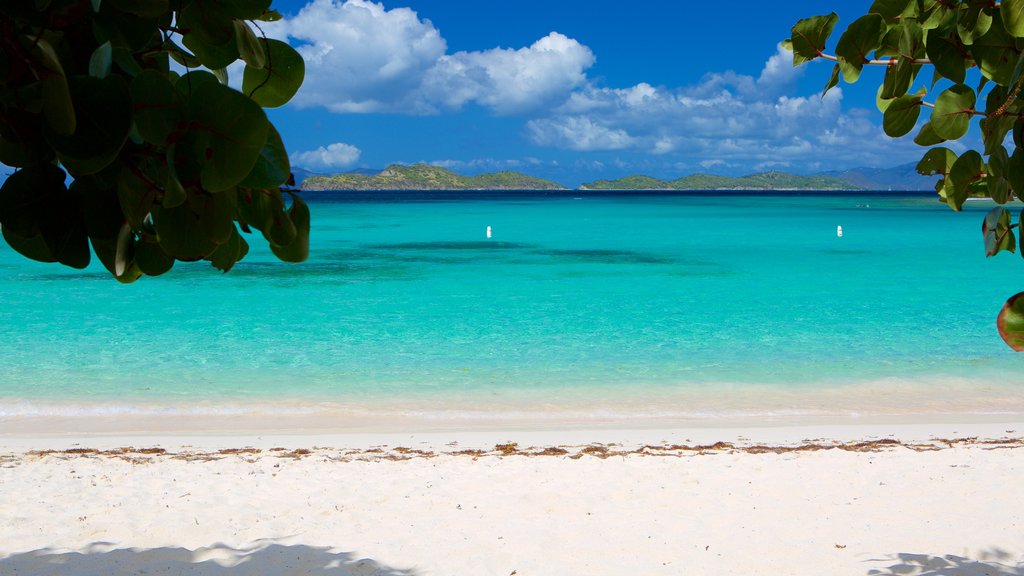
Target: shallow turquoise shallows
[[403, 296]]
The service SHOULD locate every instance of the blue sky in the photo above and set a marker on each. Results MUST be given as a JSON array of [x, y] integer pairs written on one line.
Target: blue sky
[[572, 90]]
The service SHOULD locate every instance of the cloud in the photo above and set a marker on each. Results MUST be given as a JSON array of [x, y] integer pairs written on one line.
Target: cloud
[[726, 117], [361, 57], [337, 155]]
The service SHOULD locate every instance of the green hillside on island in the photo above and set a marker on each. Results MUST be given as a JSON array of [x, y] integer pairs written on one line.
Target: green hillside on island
[[426, 177], [760, 181]]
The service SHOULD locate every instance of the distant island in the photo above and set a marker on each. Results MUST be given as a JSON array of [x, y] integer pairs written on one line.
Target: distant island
[[761, 181], [426, 177]]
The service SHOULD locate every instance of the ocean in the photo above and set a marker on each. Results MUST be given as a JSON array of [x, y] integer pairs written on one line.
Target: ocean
[[632, 305]]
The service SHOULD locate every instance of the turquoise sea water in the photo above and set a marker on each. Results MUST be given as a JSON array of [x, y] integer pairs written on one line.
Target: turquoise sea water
[[406, 299]]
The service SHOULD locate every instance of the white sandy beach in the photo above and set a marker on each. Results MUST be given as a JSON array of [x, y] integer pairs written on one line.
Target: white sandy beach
[[914, 499]]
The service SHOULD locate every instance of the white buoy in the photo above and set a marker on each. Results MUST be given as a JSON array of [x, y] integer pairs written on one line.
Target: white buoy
[[488, 231], [839, 231]]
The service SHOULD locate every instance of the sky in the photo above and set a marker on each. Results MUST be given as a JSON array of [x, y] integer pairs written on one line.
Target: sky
[[573, 90]]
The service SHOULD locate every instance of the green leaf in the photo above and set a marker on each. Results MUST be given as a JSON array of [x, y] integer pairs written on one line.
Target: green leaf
[[275, 84], [151, 259], [143, 8], [947, 54], [230, 131], [974, 20], [967, 170], [934, 13], [137, 187], [861, 38], [216, 214], [250, 48], [996, 53], [180, 55], [58, 107], [42, 219], [99, 62], [832, 81], [181, 233], [272, 167], [882, 103], [1012, 12], [244, 9], [264, 210], [159, 108], [298, 249], [893, 10], [900, 76], [810, 35], [1010, 321], [229, 253], [901, 115], [1014, 172], [270, 16], [936, 161], [997, 188], [211, 34], [953, 111], [996, 230], [103, 109], [927, 136]]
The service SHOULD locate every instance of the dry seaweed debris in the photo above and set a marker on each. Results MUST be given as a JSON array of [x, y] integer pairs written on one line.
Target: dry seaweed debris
[[601, 451]]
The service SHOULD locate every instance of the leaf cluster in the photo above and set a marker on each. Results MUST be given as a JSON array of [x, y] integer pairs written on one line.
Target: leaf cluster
[[164, 166], [954, 38]]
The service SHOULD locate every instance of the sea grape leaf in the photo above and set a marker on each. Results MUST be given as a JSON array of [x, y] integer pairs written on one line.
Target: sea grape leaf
[[927, 136], [810, 35], [229, 253], [211, 34], [833, 80], [997, 232], [158, 107], [104, 119], [936, 161], [1012, 12], [968, 169], [216, 214], [230, 131], [947, 54], [279, 80], [893, 10], [996, 53], [272, 167], [1010, 321], [973, 21], [42, 219], [298, 249], [244, 9], [151, 259], [58, 108], [861, 38], [181, 233], [901, 115], [934, 13], [250, 48], [100, 61], [953, 111]]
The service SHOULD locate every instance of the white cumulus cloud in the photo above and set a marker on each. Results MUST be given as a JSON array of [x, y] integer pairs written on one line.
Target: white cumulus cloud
[[333, 156], [727, 118], [362, 57]]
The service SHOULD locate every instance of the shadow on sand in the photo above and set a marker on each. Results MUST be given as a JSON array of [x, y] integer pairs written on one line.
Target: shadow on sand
[[101, 559], [991, 563]]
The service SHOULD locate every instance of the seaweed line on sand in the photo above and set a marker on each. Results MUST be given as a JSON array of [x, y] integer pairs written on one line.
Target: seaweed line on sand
[[384, 453]]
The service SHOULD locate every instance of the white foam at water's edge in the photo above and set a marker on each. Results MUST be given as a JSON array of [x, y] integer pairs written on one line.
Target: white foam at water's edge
[[890, 396]]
